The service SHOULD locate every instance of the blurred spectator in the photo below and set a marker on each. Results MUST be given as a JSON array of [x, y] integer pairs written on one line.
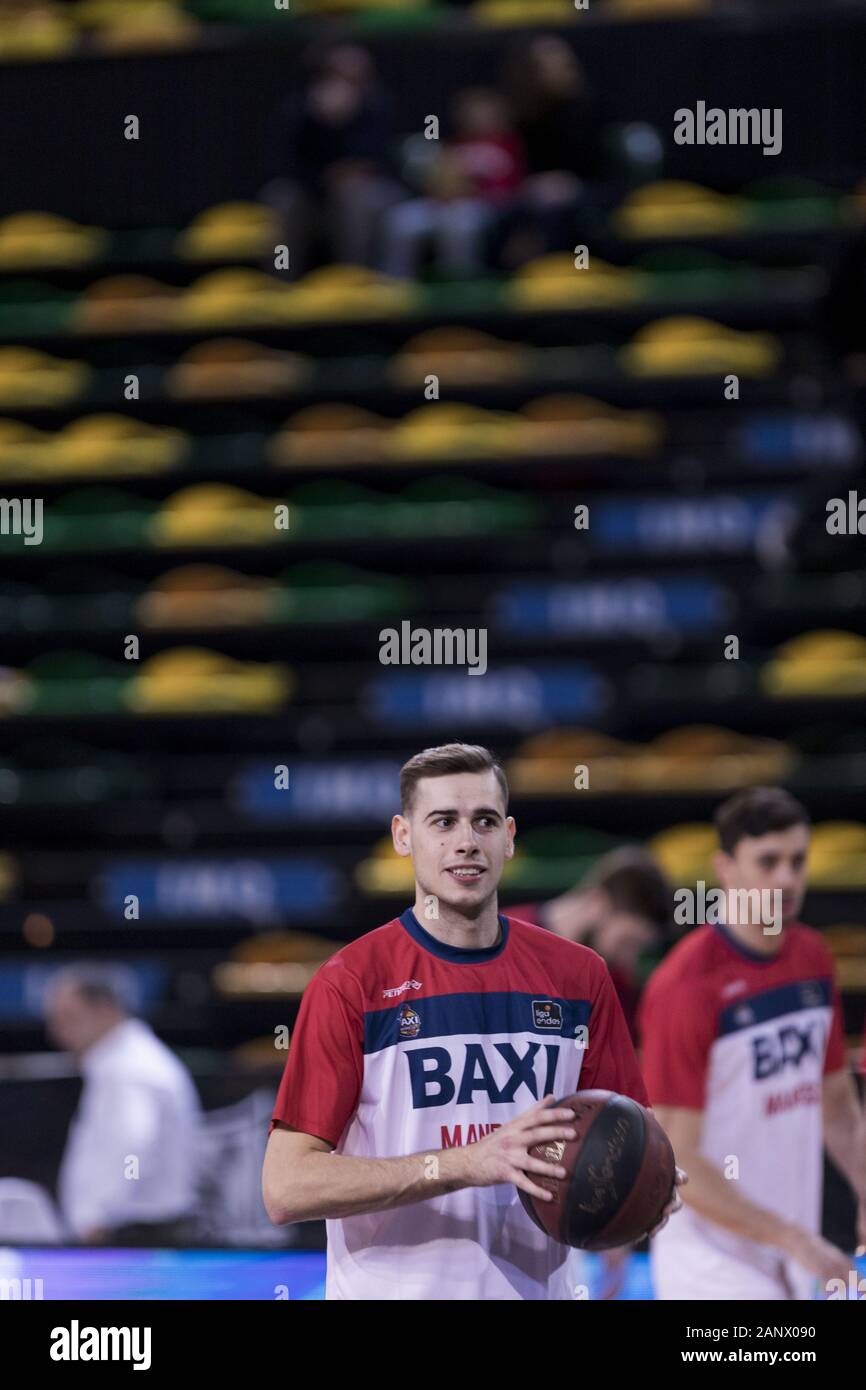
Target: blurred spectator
[[128, 1175], [561, 131], [332, 162], [623, 908], [477, 172]]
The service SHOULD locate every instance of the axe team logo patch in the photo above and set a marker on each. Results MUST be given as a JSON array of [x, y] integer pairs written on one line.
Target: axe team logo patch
[[410, 1022], [547, 1014]]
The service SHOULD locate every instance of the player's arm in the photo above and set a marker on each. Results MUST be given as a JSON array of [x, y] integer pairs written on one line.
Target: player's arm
[[304, 1180], [718, 1199], [845, 1136]]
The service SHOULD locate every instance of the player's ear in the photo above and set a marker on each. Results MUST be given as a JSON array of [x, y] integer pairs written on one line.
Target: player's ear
[[401, 836], [511, 828]]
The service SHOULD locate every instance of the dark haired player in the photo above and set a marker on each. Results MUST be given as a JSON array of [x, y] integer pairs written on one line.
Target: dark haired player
[[622, 908], [743, 1053], [425, 1060]]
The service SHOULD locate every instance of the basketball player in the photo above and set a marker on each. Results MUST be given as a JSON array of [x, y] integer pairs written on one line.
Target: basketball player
[[743, 1053], [424, 1064]]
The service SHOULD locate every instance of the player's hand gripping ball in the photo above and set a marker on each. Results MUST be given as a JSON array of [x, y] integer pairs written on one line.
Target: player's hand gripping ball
[[620, 1172]]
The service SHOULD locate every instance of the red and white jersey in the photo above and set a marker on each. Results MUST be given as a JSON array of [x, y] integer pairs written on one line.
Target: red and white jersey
[[406, 1045], [747, 1039]]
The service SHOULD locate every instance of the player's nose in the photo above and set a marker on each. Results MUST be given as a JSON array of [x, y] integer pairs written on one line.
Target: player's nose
[[467, 838]]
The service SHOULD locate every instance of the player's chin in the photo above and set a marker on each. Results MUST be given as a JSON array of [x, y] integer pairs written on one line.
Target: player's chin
[[468, 890]]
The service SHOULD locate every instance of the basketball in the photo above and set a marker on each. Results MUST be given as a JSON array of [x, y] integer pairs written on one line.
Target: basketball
[[620, 1174]]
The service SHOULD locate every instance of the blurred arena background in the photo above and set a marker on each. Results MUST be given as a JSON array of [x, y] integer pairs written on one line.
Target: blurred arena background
[[236, 275]]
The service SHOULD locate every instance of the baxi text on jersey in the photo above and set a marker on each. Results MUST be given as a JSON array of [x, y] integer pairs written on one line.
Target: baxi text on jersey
[[432, 1081]]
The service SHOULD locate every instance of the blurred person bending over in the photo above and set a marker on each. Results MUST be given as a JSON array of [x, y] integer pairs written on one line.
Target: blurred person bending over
[[623, 909], [128, 1172]]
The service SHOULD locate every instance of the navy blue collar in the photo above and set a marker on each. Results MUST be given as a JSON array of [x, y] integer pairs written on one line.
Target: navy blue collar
[[743, 950], [459, 955]]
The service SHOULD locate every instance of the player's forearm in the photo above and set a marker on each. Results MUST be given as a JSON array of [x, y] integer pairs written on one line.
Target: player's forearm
[[327, 1186], [716, 1198]]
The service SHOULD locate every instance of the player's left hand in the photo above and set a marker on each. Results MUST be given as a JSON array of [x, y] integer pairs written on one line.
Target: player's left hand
[[681, 1177]]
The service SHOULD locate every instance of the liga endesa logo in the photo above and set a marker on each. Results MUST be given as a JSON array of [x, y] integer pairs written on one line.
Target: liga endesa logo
[[76, 1343]]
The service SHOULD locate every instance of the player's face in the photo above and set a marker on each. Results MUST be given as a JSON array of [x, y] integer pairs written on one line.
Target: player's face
[[459, 837], [70, 1022], [777, 860], [621, 937]]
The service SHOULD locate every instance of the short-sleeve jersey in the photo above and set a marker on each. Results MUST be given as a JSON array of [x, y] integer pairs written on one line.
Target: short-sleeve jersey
[[406, 1045], [747, 1039]]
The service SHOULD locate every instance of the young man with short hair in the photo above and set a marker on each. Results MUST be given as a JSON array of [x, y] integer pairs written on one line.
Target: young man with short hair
[[424, 1064], [743, 1053]]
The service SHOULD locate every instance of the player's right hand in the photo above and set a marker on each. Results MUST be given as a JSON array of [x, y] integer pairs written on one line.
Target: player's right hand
[[503, 1156], [819, 1256]]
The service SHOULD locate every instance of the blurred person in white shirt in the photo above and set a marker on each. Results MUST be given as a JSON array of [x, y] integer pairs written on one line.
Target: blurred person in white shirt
[[128, 1173]]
